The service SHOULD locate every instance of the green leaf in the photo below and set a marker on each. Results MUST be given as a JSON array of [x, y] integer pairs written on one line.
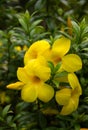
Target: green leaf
[[23, 24], [9, 119], [35, 23], [42, 120], [65, 34], [57, 67], [51, 65], [36, 30], [84, 54], [56, 83], [61, 74], [5, 110], [76, 30], [40, 4], [85, 32], [77, 127], [85, 49], [27, 15], [85, 118], [76, 27]]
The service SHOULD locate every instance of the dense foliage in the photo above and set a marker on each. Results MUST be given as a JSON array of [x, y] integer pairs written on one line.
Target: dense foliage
[[22, 22]]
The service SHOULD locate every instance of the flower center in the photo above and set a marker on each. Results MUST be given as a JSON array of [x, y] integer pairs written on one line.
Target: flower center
[[57, 59], [36, 79]]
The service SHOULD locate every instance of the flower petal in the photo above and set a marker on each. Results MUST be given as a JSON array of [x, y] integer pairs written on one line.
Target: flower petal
[[17, 85], [37, 68], [71, 106], [36, 49], [63, 96], [29, 93], [74, 82], [22, 75], [71, 63], [45, 92], [61, 46]]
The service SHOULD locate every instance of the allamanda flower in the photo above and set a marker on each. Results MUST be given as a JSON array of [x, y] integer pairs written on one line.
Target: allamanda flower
[[59, 48], [55, 53], [70, 62], [69, 97], [39, 48], [32, 80]]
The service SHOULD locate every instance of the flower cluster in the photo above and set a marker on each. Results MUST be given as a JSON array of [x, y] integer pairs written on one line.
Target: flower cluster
[[44, 67]]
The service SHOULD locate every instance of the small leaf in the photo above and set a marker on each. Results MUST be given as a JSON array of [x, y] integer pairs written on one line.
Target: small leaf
[[76, 30], [40, 4], [9, 119], [51, 65], [35, 23], [5, 110], [56, 83], [42, 120], [76, 27], [27, 15], [85, 32], [65, 34], [23, 24], [64, 73], [85, 49], [57, 67], [85, 118]]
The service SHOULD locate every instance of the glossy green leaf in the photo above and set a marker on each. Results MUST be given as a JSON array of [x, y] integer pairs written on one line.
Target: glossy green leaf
[[6, 110]]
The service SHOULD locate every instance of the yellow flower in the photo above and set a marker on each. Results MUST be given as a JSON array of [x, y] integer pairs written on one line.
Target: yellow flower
[[36, 72], [70, 62], [19, 48], [55, 53], [33, 76], [69, 97], [36, 69], [38, 48], [59, 48], [25, 48]]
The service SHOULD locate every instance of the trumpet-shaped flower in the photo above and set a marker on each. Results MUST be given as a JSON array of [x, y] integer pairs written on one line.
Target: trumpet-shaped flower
[[56, 53], [32, 78], [38, 48], [59, 48], [70, 62], [69, 97], [34, 75]]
